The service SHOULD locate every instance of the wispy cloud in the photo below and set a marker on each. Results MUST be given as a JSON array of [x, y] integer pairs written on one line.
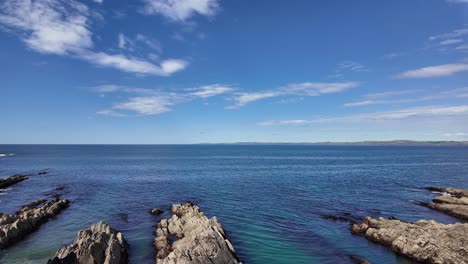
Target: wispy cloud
[[454, 39], [435, 71], [62, 27], [451, 35], [450, 41], [392, 55], [409, 113], [384, 98], [296, 89], [348, 66], [153, 102], [458, 1], [126, 43], [181, 10]]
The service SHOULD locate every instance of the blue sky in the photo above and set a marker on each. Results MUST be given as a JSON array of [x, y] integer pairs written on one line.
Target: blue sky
[[191, 71]]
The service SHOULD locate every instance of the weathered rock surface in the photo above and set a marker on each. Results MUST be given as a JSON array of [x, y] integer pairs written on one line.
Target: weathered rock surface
[[4, 183], [196, 239], [99, 244], [424, 241], [453, 201], [15, 227]]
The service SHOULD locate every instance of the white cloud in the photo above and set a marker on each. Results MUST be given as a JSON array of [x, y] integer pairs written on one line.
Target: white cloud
[[153, 102], [49, 26], [210, 90], [99, 1], [458, 1], [146, 105], [122, 41], [462, 47], [456, 134], [391, 93], [181, 10], [351, 66], [134, 65], [451, 35], [454, 93], [450, 41], [296, 89], [62, 27], [435, 71], [409, 113]]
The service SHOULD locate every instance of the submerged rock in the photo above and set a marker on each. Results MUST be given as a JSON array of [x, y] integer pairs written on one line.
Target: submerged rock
[[358, 260], [190, 237], [453, 201], [15, 227], [424, 241], [99, 244], [4, 183], [156, 211]]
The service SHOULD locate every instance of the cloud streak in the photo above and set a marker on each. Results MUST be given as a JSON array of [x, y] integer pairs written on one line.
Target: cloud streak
[[434, 71], [409, 113], [296, 89], [154, 102], [380, 98]]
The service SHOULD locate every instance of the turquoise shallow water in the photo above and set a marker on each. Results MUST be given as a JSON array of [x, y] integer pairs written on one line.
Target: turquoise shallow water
[[269, 198]]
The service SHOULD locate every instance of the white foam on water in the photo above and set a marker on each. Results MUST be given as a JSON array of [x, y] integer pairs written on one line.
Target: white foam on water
[[6, 154]]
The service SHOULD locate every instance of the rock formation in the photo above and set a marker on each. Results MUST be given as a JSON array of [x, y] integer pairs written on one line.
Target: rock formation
[[424, 241], [99, 244], [453, 201], [4, 183], [196, 239], [156, 211], [15, 227]]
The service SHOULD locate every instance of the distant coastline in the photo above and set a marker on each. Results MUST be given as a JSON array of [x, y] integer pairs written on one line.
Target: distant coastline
[[326, 143], [357, 143]]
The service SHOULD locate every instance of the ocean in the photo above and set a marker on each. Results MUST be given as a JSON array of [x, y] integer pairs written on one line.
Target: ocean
[[270, 199]]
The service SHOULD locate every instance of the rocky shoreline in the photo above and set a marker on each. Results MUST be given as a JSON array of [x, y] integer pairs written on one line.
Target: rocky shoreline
[[453, 201], [424, 241], [15, 227], [188, 236]]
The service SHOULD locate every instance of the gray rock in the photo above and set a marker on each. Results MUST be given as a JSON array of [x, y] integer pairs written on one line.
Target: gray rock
[[424, 241], [198, 240], [99, 244], [15, 227], [4, 183]]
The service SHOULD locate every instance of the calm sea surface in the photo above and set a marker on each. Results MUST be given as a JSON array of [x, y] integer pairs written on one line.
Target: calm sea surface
[[270, 198]]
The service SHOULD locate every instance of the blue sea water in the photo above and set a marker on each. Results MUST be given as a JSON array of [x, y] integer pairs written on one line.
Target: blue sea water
[[269, 198]]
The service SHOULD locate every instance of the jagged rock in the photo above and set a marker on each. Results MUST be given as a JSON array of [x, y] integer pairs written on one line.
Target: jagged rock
[[156, 211], [424, 241], [99, 244], [197, 239], [453, 201], [15, 227], [4, 183]]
